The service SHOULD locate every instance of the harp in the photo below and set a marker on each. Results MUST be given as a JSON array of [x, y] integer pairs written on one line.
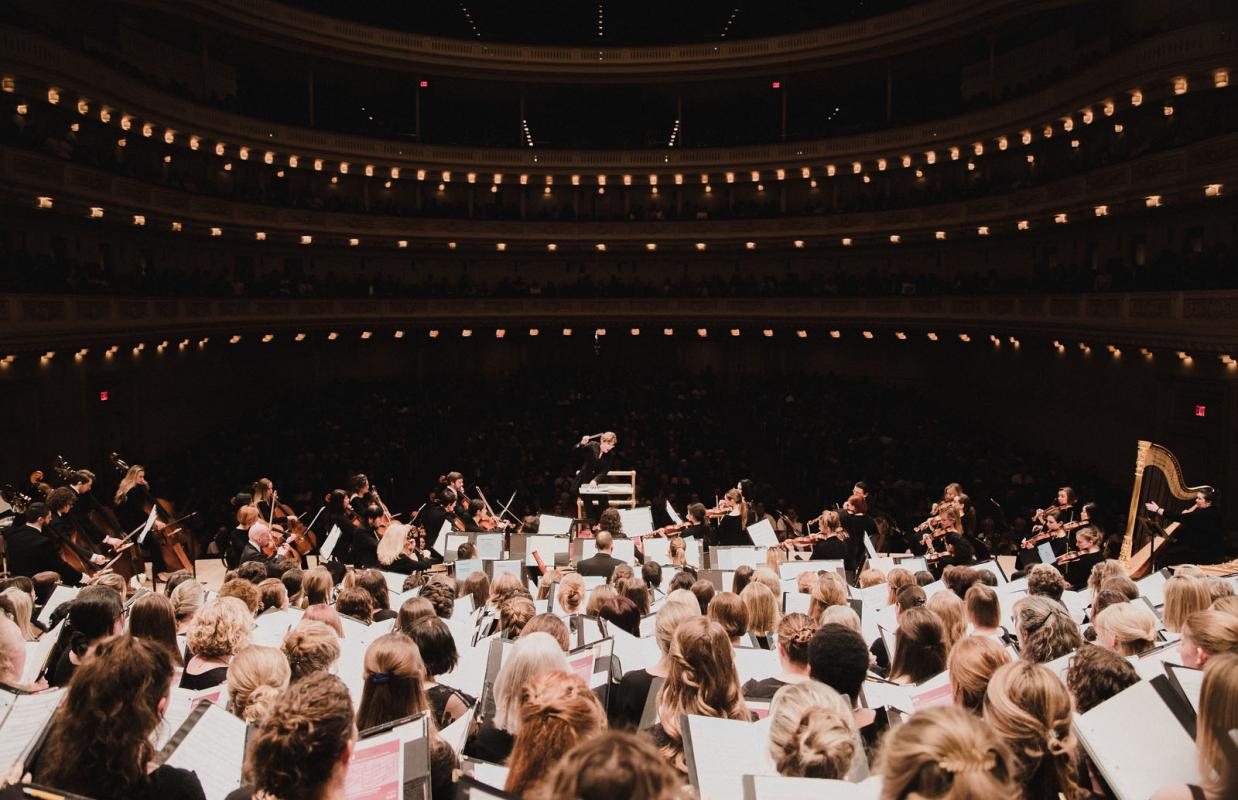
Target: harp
[[1158, 478]]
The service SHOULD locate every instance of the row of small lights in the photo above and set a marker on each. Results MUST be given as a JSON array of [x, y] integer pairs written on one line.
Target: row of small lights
[[1220, 78], [1061, 218], [703, 333]]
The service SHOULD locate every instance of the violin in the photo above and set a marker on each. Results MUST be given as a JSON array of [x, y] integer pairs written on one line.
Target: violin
[[1069, 556], [300, 537], [723, 508], [670, 530]]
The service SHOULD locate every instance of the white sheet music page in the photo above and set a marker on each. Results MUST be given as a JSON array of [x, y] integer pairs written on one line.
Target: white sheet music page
[[457, 732], [670, 512], [328, 547], [376, 770], [777, 787], [762, 534], [1137, 743], [60, 595], [550, 525], [636, 521], [37, 654], [725, 750], [26, 717], [215, 749]]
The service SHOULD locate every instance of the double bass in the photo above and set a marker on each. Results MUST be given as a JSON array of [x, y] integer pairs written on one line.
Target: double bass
[[176, 544], [126, 561]]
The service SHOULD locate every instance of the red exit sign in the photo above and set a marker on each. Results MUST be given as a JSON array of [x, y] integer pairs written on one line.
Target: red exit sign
[[1201, 411]]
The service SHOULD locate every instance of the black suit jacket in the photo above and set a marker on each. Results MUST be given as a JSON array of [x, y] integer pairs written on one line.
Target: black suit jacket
[[31, 551], [601, 565], [365, 548], [593, 464], [251, 553]]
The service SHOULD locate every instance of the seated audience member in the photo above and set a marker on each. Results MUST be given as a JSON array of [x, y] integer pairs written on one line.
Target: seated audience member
[[1183, 597], [728, 611], [466, 551], [702, 680], [550, 624], [12, 653], [311, 647], [971, 664], [187, 599], [303, 746], [795, 631], [1109, 568], [151, 618], [438, 652], [949, 609], [1126, 628], [1218, 716], [571, 594], [761, 606], [514, 614], [633, 690], [871, 577], [1029, 708], [1206, 634], [1096, 674], [1045, 629], [505, 586], [1044, 579], [557, 712], [100, 741], [254, 572], [704, 591], [218, 632], [476, 586], [741, 578], [94, 615], [613, 765], [412, 611], [924, 577], [1122, 584], [812, 733], [355, 603], [372, 581], [244, 591], [945, 752], [919, 647], [634, 589], [838, 658], [829, 590], [983, 611], [256, 677], [529, 657], [273, 595]]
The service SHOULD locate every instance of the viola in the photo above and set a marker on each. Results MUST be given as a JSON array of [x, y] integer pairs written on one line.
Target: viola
[[667, 530], [300, 538]]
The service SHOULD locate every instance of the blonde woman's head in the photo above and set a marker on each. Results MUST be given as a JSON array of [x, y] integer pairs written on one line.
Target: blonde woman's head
[[812, 733], [256, 676], [220, 629]]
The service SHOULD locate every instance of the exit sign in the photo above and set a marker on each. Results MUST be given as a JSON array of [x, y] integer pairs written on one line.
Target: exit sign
[[1201, 411]]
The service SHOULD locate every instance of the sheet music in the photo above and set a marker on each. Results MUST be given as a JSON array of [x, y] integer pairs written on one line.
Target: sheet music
[[992, 567], [883, 563], [634, 653], [1190, 680], [913, 564], [457, 732], [777, 787], [462, 611], [466, 568], [150, 523], [934, 691], [440, 539], [214, 748], [883, 693], [351, 667], [692, 550], [732, 557], [1045, 551], [27, 715], [623, 549], [546, 547], [469, 676], [1137, 743], [1153, 587], [762, 534], [376, 769], [269, 628], [454, 540], [489, 546], [493, 774], [328, 547], [755, 664], [791, 570], [723, 751], [353, 628], [38, 652], [868, 547], [394, 581], [670, 512], [793, 602], [649, 622], [550, 525], [657, 550], [636, 521], [498, 568], [60, 595]]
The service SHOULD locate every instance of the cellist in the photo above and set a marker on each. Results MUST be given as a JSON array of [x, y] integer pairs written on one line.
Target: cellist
[[131, 499], [64, 530]]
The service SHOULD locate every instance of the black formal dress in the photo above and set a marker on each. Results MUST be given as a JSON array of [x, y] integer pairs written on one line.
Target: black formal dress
[[1199, 538], [1077, 572], [731, 533], [365, 548]]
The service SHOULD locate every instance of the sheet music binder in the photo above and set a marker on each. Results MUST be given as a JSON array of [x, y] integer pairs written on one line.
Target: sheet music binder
[[416, 753], [469, 788]]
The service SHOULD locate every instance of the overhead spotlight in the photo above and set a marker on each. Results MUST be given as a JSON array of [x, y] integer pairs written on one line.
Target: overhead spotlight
[[599, 332], [402, 244], [367, 334], [982, 230], [847, 241], [43, 202], [433, 333], [940, 235], [1212, 190], [96, 212], [466, 333], [801, 334], [635, 331], [1023, 225], [668, 331], [735, 331], [500, 246], [700, 246], [750, 245], [267, 337], [307, 239], [1152, 201], [867, 334], [963, 337], [932, 337], [651, 246], [799, 244], [835, 334], [332, 336], [600, 247], [767, 333], [567, 331], [1060, 219], [900, 335], [534, 332], [399, 334], [895, 238], [261, 236], [300, 337], [232, 340], [551, 246], [702, 332], [1101, 211], [500, 333]]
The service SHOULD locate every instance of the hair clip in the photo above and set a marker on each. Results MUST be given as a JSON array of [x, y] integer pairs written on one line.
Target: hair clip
[[379, 678]]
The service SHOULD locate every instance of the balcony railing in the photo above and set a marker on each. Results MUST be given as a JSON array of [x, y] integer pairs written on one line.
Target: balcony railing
[[1195, 50], [293, 29], [1195, 322]]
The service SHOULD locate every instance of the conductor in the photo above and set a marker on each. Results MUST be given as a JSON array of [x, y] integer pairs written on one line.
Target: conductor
[[595, 457]]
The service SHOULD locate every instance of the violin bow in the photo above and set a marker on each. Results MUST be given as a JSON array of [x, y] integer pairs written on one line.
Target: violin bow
[[507, 510], [321, 508]]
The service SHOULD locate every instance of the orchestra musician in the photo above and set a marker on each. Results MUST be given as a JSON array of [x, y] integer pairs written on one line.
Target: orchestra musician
[[365, 541], [63, 527], [439, 511], [1200, 535], [1066, 505], [1052, 530], [31, 549], [731, 530], [131, 499], [697, 526], [362, 495], [339, 513], [81, 482], [465, 508], [1076, 566], [856, 521], [264, 545], [402, 550], [831, 541]]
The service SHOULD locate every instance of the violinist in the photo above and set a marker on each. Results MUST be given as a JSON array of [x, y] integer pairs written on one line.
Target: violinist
[[339, 513], [832, 541], [238, 537], [398, 551], [365, 541], [696, 523], [362, 495], [31, 549], [438, 512], [1051, 530], [63, 528], [1066, 506], [267, 501], [732, 527], [264, 545], [1076, 566], [857, 522], [465, 509]]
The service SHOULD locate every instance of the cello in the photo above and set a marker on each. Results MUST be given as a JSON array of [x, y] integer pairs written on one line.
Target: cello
[[174, 539]]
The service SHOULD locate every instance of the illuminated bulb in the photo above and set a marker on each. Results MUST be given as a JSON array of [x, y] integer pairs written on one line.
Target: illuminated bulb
[[709, 189], [575, 180], [846, 241], [300, 337], [919, 174], [906, 161], [1023, 225], [500, 333], [1048, 132], [835, 334], [668, 331], [760, 187], [177, 227], [971, 166], [1101, 211], [963, 337], [1068, 124], [813, 183], [1212, 190], [735, 331], [902, 337], [730, 177], [219, 151], [244, 155], [940, 235], [317, 165], [767, 333], [1108, 108], [678, 179], [954, 154], [1167, 111], [1002, 143], [524, 179], [1180, 85], [268, 157], [43, 202], [105, 116], [1059, 219], [831, 170], [267, 338], [307, 239], [755, 175], [217, 232], [433, 334], [651, 246], [551, 246], [546, 190], [1031, 159], [139, 219], [1088, 116], [799, 244], [96, 212], [602, 180], [1026, 137], [867, 334], [466, 333], [801, 333], [295, 161], [500, 246], [635, 331], [750, 245], [867, 179], [895, 238], [260, 236], [627, 180], [1220, 78], [805, 172], [856, 167], [387, 185], [599, 332], [881, 164], [233, 340], [702, 332], [780, 174], [446, 176], [83, 107], [700, 246], [982, 230], [930, 157], [1118, 128], [567, 331], [534, 331], [1136, 98], [601, 247], [932, 337], [53, 95], [126, 122]]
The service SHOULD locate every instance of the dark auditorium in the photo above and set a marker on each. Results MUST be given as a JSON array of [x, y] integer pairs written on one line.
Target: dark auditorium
[[600, 400]]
